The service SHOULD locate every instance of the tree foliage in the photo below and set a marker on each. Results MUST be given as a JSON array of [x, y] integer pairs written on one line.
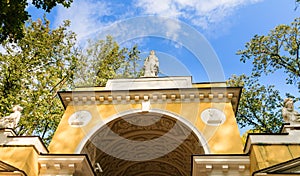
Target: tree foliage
[[259, 106], [44, 61], [32, 71], [105, 59], [279, 50], [13, 15]]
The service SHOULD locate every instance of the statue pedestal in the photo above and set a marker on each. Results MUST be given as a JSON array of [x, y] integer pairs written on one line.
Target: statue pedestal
[[287, 128], [150, 83], [7, 132]]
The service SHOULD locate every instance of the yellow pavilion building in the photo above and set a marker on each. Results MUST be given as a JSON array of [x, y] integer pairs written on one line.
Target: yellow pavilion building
[[151, 126]]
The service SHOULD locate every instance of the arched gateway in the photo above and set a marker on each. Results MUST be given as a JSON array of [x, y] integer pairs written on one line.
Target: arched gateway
[[142, 143], [149, 126]]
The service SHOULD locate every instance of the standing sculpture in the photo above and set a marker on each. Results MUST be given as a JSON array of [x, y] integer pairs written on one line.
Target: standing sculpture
[[151, 65], [288, 113], [13, 119]]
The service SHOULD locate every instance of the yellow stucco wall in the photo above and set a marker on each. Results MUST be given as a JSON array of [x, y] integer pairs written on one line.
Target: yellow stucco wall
[[21, 157], [264, 155], [221, 139]]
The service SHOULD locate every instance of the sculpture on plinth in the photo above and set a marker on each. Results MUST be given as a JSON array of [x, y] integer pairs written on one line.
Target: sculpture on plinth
[[288, 113], [13, 119], [151, 65]]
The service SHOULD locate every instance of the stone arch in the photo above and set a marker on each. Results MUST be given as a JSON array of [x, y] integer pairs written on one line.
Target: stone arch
[[135, 143]]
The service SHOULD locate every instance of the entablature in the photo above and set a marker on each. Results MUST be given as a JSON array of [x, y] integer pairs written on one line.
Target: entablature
[[221, 165], [186, 95], [62, 164]]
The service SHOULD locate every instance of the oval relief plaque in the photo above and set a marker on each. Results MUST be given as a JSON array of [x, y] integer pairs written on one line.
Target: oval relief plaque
[[80, 118], [213, 117]]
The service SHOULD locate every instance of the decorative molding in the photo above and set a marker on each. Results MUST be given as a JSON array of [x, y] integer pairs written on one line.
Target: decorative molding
[[186, 95], [290, 167], [30, 141], [79, 119], [7, 132], [213, 117], [9, 170], [57, 166], [64, 165], [289, 135], [221, 164], [164, 97], [177, 82]]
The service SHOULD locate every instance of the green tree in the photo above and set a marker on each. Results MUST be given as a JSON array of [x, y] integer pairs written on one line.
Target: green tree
[[32, 71], [279, 50], [105, 59], [13, 15], [259, 106]]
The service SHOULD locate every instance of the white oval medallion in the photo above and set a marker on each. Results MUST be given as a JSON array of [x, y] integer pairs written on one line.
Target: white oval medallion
[[80, 118], [213, 117]]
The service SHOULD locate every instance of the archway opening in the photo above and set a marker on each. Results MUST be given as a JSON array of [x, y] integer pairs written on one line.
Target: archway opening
[[143, 144]]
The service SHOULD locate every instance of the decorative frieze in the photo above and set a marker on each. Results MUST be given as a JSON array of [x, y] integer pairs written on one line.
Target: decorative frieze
[[242, 168], [192, 96], [208, 167], [220, 96], [101, 98], [75, 164], [146, 98], [230, 95], [93, 98], [163, 97], [44, 166], [182, 96], [119, 98], [221, 165], [110, 98], [203, 95], [225, 168], [173, 97], [57, 166]]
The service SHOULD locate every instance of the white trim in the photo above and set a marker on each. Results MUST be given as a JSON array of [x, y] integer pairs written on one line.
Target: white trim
[[221, 165], [25, 141], [291, 138]]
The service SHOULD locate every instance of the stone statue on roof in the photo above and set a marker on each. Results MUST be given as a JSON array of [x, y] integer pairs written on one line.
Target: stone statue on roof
[[13, 119], [151, 65], [288, 113]]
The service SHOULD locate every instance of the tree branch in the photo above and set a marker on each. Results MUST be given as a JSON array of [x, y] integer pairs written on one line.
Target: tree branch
[[249, 120]]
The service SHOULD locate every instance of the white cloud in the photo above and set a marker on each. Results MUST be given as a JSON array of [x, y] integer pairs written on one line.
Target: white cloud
[[85, 17], [91, 18], [201, 13], [164, 8]]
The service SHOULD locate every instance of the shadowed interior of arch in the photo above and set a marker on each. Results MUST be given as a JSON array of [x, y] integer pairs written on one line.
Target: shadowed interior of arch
[[143, 144]]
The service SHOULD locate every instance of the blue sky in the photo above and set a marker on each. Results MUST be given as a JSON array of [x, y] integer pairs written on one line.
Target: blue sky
[[198, 38]]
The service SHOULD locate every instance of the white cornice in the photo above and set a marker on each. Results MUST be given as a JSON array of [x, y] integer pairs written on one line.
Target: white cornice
[[282, 138], [221, 165], [212, 94], [21, 141], [64, 164]]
